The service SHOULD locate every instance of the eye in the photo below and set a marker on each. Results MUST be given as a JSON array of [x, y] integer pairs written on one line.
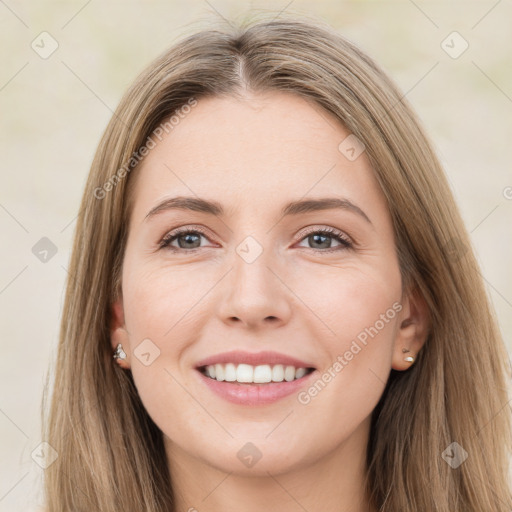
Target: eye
[[320, 239], [188, 239]]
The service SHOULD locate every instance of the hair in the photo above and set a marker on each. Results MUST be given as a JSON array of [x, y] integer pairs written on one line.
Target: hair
[[110, 453]]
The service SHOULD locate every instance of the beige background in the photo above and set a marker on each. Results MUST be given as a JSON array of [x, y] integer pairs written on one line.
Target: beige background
[[54, 110]]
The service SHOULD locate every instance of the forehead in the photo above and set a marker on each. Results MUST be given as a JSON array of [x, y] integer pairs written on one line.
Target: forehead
[[252, 151]]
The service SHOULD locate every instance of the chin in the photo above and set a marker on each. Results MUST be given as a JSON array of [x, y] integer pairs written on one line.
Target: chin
[[257, 457]]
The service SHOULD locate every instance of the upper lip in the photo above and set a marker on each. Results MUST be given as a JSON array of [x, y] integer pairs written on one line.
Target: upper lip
[[254, 359]]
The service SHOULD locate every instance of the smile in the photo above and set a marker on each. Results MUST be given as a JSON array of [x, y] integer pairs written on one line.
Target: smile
[[254, 378], [249, 374]]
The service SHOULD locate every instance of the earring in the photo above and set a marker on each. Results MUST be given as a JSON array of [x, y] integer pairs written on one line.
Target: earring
[[409, 359], [119, 352]]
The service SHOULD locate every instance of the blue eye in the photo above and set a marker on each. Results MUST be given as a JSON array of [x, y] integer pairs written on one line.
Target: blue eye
[[319, 236], [190, 237], [190, 240]]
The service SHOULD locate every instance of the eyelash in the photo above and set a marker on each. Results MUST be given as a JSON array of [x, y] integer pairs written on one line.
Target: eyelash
[[344, 241]]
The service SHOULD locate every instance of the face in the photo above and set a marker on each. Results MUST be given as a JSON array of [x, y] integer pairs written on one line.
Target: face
[[271, 285]]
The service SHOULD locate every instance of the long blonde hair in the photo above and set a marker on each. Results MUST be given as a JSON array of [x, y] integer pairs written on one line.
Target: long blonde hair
[[110, 453]]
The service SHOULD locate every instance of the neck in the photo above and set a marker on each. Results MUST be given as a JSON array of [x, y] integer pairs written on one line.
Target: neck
[[331, 483]]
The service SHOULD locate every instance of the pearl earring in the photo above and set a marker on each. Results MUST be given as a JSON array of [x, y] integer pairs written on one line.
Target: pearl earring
[[409, 359]]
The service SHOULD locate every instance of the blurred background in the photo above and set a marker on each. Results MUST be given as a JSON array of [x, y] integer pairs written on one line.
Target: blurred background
[[64, 67]]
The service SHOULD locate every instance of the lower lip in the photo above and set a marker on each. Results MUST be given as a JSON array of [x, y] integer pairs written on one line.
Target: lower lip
[[254, 394]]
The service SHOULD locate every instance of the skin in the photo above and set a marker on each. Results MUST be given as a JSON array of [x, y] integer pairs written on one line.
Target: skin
[[254, 155]]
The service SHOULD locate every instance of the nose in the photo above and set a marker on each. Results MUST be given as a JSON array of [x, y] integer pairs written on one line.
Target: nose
[[254, 294]]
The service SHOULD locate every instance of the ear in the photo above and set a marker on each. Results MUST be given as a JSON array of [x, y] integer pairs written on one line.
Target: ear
[[119, 334], [413, 331]]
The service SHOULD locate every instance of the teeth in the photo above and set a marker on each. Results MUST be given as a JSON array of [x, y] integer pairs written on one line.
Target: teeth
[[278, 373], [261, 374], [300, 373], [229, 372], [219, 372], [244, 373], [289, 373]]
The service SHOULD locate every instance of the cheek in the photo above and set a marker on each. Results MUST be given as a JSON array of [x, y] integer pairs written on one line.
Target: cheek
[[360, 314], [160, 302], [162, 310], [345, 302]]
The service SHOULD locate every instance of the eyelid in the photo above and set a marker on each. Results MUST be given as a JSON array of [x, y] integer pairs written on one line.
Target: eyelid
[[327, 230], [173, 233], [346, 241]]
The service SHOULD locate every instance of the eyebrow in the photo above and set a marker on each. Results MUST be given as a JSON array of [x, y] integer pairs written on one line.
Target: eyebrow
[[293, 208]]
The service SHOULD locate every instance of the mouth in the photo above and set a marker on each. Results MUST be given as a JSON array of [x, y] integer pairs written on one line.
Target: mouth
[[249, 374], [254, 378]]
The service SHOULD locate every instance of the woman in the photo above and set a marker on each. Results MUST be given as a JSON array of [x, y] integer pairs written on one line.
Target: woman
[[269, 249]]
